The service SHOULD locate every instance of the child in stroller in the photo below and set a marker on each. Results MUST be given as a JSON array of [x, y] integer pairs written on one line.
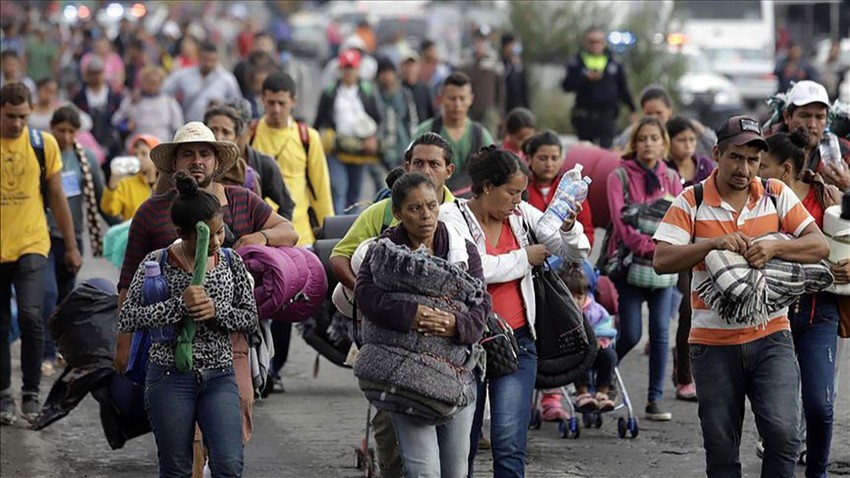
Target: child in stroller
[[600, 291], [606, 359]]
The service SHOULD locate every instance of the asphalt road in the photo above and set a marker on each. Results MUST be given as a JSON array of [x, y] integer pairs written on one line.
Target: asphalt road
[[312, 429]]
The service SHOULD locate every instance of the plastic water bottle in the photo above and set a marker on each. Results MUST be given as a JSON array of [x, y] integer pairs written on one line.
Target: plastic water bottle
[[830, 151], [572, 188], [155, 289]]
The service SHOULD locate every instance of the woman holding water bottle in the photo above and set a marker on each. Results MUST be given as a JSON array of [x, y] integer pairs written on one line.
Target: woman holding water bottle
[[497, 221], [643, 187], [176, 394], [545, 160]]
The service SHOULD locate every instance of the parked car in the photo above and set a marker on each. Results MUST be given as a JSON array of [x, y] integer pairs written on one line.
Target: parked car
[[749, 69], [705, 94]]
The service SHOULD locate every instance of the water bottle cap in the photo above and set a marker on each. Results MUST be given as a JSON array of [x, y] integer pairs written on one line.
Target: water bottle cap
[[152, 269], [578, 167], [587, 180]]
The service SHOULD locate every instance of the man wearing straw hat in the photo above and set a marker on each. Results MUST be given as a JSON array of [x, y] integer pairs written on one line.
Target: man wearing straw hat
[[248, 220]]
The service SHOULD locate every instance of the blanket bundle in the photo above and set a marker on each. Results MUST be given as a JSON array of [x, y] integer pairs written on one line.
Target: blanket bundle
[[744, 295], [423, 376]]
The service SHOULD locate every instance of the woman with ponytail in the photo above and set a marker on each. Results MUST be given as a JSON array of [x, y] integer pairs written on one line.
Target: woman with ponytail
[[814, 318], [203, 389]]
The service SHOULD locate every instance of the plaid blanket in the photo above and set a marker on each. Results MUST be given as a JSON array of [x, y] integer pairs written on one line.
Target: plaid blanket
[[744, 295]]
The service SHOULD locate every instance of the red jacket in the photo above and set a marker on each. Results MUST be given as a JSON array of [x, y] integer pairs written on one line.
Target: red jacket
[[536, 199]]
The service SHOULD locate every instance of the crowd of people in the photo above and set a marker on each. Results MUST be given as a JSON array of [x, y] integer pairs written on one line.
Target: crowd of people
[[161, 134]]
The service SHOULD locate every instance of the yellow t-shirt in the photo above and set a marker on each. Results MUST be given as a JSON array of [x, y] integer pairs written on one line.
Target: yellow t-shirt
[[23, 223], [127, 197], [284, 145]]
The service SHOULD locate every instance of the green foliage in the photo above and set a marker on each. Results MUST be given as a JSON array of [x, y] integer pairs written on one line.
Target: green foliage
[[553, 31]]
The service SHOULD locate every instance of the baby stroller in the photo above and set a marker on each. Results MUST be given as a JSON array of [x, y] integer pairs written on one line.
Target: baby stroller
[[605, 294]]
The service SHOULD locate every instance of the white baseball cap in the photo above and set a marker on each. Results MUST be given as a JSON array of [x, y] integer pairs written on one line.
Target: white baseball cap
[[806, 92]]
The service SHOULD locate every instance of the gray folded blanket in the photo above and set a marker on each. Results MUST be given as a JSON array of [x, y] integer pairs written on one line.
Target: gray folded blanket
[[434, 369]]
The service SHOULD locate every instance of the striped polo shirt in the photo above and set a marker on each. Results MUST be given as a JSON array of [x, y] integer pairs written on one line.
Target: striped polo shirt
[[151, 229], [716, 218]]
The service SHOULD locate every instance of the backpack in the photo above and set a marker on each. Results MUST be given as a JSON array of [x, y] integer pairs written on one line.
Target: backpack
[[304, 135], [613, 265], [476, 144], [37, 143]]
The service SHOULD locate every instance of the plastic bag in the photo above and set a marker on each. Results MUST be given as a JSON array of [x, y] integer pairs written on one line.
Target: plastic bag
[[115, 243], [84, 325]]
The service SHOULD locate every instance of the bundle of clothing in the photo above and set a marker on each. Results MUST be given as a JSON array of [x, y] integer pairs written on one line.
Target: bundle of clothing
[[423, 376], [742, 294]]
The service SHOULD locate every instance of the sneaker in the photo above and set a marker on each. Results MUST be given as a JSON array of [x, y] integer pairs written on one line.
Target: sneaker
[[553, 410], [656, 414], [8, 411], [30, 407], [686, 392], [277, 385], [47, 369], [483, 443], [760, 448]]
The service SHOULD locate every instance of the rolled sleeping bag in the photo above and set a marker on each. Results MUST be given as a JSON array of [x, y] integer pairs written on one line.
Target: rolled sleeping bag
[[274, 280], [308, 300]]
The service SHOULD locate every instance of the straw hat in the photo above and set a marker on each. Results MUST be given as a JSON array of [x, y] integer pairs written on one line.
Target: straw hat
[[226, 152]]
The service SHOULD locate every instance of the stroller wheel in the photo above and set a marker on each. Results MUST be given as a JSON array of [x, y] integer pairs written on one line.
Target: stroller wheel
[[633, 427], [598, 422], [621, 427], [587, 419], [563, 429], [575, 429]]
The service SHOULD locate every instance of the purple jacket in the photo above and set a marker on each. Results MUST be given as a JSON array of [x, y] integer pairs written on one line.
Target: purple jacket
[[398, 315], [640, 244], [705, 166]]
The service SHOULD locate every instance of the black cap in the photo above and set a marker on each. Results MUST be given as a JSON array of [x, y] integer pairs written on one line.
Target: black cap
[[508, 38], [742, 130], [385, 64]]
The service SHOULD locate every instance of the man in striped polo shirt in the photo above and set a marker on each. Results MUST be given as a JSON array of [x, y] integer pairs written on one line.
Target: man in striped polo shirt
[[732, 361]]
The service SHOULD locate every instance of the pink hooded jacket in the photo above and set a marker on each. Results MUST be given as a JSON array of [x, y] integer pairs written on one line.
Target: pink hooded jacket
[[640, 244]]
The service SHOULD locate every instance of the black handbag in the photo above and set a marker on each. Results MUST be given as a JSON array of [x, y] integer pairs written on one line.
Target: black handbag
[[500, 345]]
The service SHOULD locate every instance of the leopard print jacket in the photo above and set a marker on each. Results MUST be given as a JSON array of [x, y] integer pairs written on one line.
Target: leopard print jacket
[[235, 310]]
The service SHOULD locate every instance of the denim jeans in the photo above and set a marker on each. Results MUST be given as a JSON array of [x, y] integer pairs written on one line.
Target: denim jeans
[[346, 183], [631, 325], [510, 412], [766, 372], [601, 373], [434, 451], [27, 276], [386, 445], [815, 340], [176, 400], [58, 283]]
